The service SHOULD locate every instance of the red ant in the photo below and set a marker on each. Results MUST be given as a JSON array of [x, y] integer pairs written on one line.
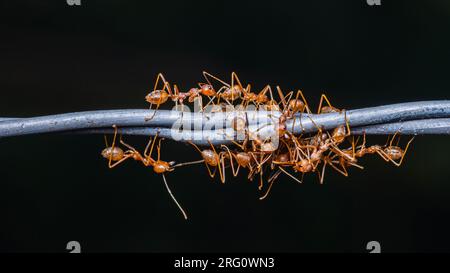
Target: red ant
[[211, 159], [117, 155]]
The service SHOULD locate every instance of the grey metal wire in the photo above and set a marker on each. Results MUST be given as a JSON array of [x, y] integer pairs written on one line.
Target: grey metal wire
[[392, 116], [438, 126]]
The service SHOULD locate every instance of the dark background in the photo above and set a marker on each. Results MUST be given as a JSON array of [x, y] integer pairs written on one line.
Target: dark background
[[105, 55]]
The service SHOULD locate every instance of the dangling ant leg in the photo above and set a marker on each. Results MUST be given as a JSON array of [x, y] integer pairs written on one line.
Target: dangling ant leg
[[211, 174], [404, 152], [290, 175], [235, 173], [221, 172]]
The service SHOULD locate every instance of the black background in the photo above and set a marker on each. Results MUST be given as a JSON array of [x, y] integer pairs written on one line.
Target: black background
[[105, 55]]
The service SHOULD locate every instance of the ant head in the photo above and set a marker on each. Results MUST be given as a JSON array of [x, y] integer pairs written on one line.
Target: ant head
[[161, 166]]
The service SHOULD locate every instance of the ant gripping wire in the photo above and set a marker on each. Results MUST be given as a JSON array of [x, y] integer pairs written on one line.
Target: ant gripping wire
[[425, 117]]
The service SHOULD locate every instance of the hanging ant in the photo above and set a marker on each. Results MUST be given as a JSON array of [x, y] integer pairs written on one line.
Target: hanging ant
[[211, 159], [390, 153], [117, 155]]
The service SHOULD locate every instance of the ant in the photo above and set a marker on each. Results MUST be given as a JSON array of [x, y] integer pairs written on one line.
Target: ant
[[243, 160], [390, 153], [227, 92], [282, 160], [211, 159], [116, 154], [260, 99]]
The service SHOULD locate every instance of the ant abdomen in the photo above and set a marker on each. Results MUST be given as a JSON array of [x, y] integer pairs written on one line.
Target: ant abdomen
[[296, 105], [243, 159], [113, 153], [329, 109], [339, 134], [157, 97], [394, 152]]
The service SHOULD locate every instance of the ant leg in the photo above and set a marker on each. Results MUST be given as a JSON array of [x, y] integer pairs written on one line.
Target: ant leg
[[324, 97], [148, 144], [118, 162], [267, 192], [393, 137], [154, 112], [347, 124], [207, 77], [188, 163], [127, 145], [404, 153], [387, 140], [356, 165], [149, 155], [233, 78], [364, 140], [166, 85], [323, 172], [266, 89], [274, 176], [344, 171], [231, 161], [290, 175], [283, 97], [299, 92], [221, 174], [244, 103], [211, 174], [151, 144], [211, 100], [158, 148], [113, 144], [382, 154], [173, 197], [106, 141]]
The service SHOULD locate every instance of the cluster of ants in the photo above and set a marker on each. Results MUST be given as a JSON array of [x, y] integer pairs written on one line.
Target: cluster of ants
[[293, 155]]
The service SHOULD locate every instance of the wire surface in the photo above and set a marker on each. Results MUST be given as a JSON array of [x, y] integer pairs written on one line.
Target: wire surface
[[425, 117]]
